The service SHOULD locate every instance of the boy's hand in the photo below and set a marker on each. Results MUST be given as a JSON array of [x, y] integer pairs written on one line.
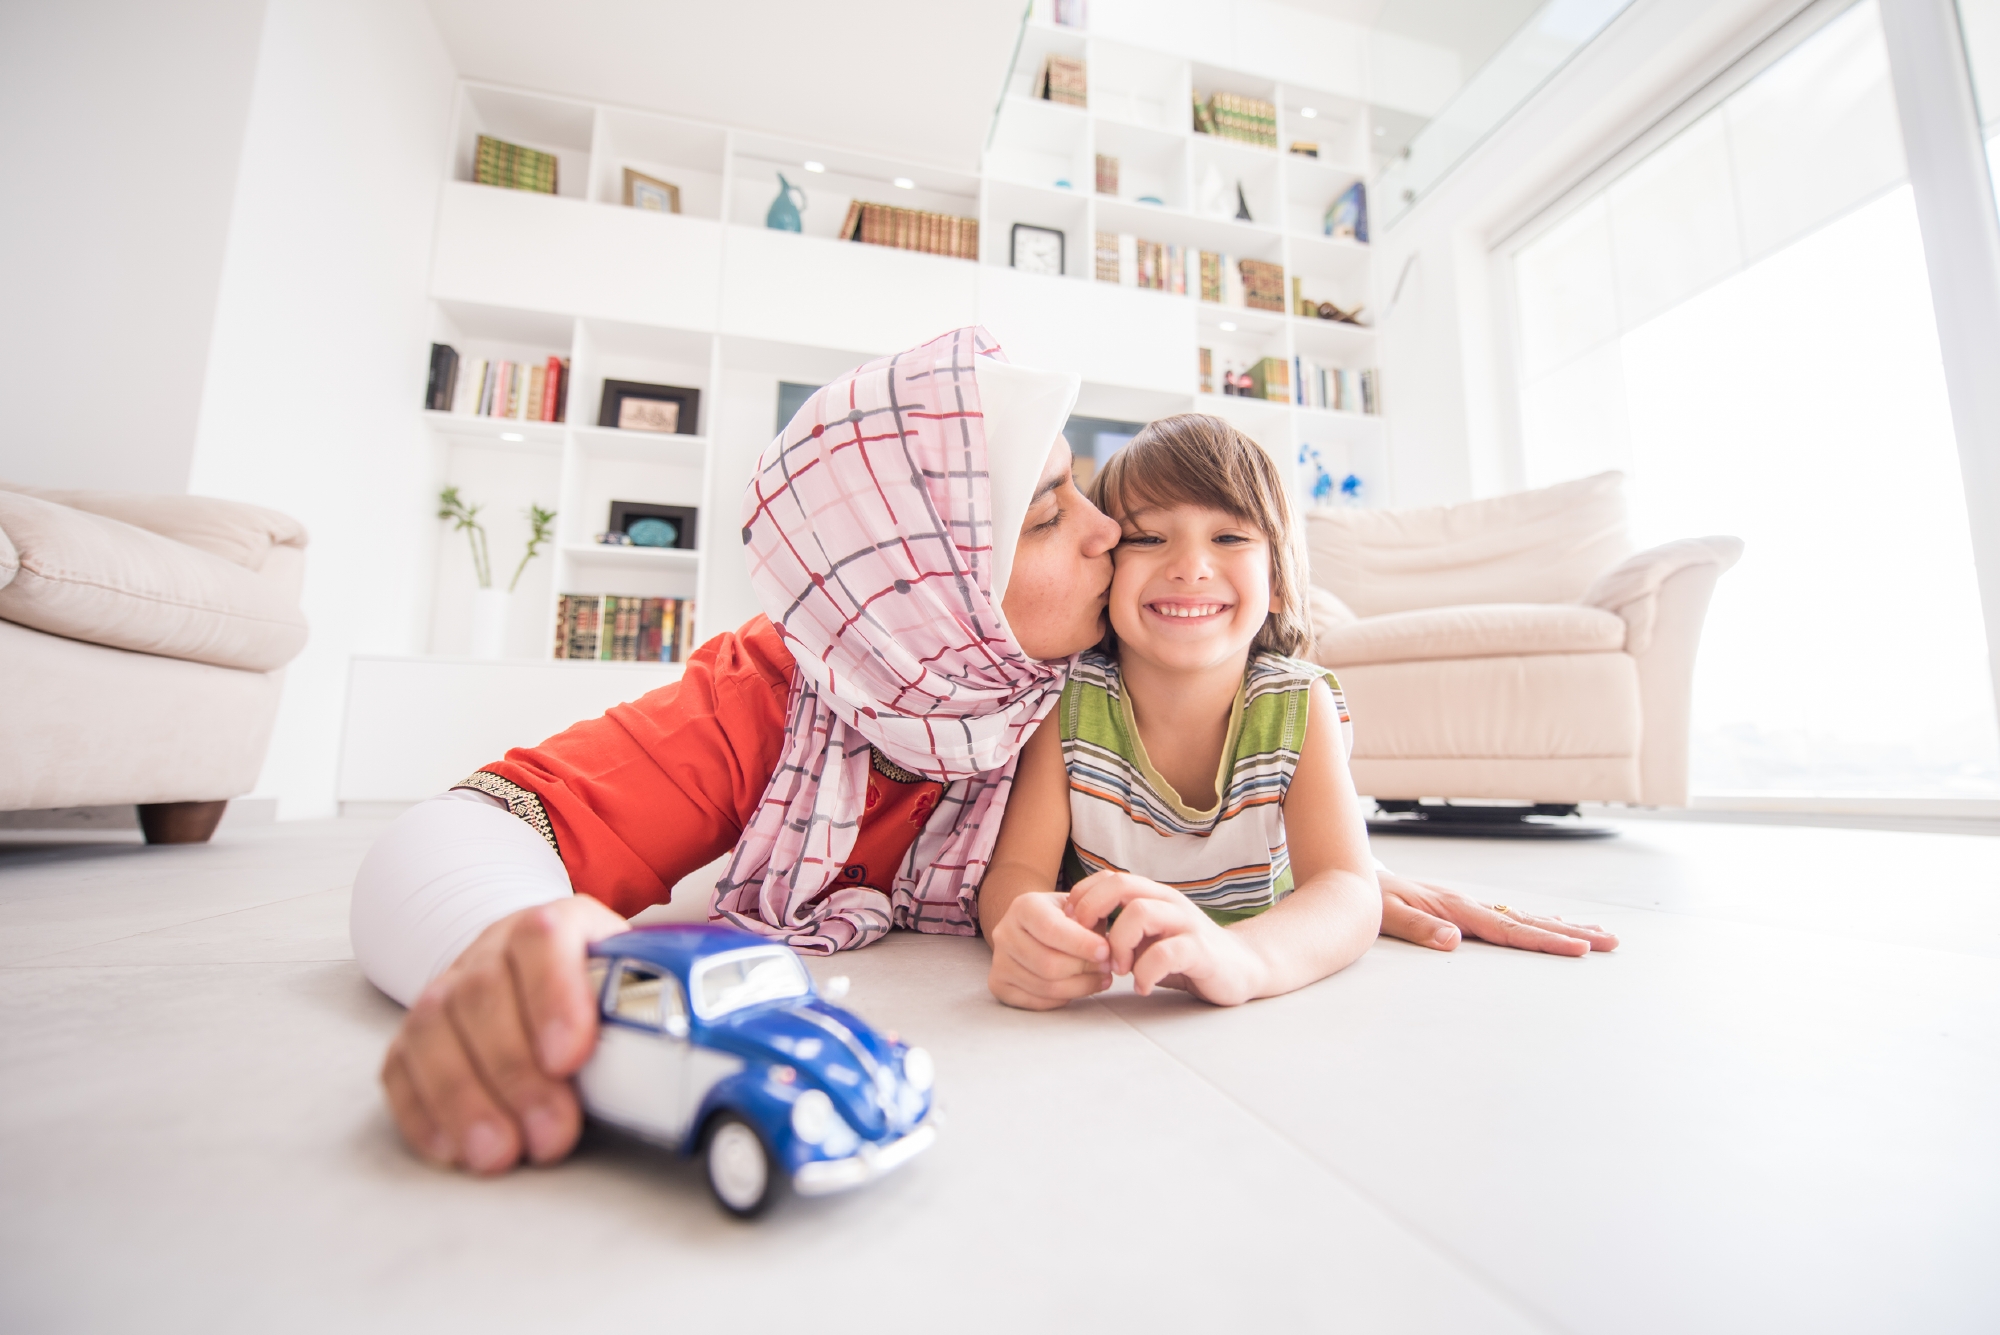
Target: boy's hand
[[1163, 939], [479, 1073], [1041, 959]]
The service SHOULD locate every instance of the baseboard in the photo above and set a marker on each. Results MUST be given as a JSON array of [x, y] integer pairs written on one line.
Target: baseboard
[[1915, 815]]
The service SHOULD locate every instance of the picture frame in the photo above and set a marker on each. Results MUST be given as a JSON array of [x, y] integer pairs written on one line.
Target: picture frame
[[611, 408], [1034, 257], [683, 518], [649, 194]]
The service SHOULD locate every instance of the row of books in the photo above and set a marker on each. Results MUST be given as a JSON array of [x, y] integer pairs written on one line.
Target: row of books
[[513, 167], [1234, 116], [1134, 262], [613, 628], [1062, 79], [498, 388], [1266, 378], [911, 229], [1343, 389]]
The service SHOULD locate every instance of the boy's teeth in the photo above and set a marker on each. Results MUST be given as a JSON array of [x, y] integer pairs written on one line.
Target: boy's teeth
[[1205, 609]]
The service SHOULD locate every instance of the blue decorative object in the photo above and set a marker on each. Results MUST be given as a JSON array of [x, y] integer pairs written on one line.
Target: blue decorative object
[[653, 533], [1062, 183], [715, 1042], [784, 215], [1152, 199], [1350, 489], [1321, 487]]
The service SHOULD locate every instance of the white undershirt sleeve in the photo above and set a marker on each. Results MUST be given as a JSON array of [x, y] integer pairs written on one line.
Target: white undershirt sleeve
[[446, 870]]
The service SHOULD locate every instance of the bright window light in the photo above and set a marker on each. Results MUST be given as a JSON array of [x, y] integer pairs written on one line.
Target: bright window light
[[815, 166], [905, 183]]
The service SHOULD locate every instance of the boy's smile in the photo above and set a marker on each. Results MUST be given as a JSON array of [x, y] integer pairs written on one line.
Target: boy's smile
[[1191, 586]]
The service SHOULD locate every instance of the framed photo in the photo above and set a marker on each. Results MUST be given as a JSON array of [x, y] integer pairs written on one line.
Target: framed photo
[[633, 405], [643, 192], [1034, 249], [649, 525]]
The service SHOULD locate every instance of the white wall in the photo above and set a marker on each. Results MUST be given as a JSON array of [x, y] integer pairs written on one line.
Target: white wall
[[1444, 352], [319, 355], [124, 123]]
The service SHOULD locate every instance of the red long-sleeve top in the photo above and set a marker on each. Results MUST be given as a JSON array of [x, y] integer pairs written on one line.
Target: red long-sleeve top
[[653, 789]]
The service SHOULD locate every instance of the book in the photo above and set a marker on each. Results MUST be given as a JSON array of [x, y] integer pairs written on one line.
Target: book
[[513, 167], [1210, 267], [1270, 379], [1207, 370], [444, 372], [1263, 285], [1107, 174], [1062, 80], [911, 229], [1107, 257], [537, 381], [618, 628], [1249, 120], [1347, 216]]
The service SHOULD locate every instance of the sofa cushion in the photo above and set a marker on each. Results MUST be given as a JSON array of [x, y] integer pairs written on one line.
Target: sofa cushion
[[1490, 630], [1542, 546], [10, 560], [1543, 706], [231, 530], [93, 578]]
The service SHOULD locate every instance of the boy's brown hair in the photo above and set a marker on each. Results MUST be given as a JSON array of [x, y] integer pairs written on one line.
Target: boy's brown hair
[[1199, 459]]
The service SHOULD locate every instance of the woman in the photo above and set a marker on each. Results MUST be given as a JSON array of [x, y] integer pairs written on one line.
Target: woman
[[929, 570]]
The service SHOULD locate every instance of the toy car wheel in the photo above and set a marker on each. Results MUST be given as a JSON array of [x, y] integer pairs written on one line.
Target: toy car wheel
[[740, 1170]]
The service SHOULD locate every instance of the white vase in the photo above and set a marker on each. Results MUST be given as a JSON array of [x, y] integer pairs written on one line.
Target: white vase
[[490, 609]]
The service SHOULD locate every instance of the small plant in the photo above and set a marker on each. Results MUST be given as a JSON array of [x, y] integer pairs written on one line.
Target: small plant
[[542, 522], [465, 519]]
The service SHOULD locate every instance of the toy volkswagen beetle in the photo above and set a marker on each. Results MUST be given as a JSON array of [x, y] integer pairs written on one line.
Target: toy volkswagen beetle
[[714, 1039]]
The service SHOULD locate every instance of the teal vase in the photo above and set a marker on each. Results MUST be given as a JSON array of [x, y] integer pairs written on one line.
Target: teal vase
[[784, 215]]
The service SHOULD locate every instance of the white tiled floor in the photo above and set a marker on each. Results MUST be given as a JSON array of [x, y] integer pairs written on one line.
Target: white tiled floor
[[1774, 1108]]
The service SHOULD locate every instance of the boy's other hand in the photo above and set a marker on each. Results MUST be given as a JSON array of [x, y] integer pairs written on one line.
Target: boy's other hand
[[1042, 959], [478, 1076], [1163, 939]]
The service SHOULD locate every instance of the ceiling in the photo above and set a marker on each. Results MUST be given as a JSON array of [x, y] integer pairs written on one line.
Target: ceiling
[[806, 70], [1474, 29]]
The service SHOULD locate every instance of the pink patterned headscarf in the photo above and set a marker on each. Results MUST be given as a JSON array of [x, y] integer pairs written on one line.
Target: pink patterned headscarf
[[869, 530]]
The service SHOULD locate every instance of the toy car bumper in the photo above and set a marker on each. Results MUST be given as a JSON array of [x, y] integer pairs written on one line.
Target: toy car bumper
[[824, 1176]]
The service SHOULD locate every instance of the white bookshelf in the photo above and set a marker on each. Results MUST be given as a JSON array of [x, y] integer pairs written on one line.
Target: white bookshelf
[[712, 300]]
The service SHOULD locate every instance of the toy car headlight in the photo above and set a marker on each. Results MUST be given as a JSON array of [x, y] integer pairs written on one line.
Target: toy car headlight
[[814, 1118], [918, 1068]]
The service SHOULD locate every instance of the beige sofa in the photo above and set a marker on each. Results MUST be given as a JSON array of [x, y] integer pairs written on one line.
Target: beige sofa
[[141, 645], [1514, 648]]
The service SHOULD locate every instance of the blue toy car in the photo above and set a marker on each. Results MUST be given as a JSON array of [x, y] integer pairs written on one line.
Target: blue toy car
[[714, 1039]]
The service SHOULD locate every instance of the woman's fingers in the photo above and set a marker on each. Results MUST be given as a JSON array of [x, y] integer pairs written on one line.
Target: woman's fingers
[[1406, 922], [421, 1131], [477, 1132], [1598, 938], [546, 950], [487, 1018]]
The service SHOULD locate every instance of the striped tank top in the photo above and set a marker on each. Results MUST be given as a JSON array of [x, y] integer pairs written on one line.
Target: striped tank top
[[1123, 816]]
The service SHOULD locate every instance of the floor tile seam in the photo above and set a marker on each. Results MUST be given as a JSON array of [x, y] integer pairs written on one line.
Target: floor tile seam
[[1444, 1251], [185, 922]]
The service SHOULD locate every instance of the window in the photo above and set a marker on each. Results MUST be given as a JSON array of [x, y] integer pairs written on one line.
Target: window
[[1742, 321], [744, 978], [646, 996]]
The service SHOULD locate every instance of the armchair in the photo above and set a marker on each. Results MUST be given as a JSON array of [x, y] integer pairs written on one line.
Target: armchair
[[1513, 649]]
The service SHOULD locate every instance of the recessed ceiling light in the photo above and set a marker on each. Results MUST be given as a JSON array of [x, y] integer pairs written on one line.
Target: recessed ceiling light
[[1308, 112], [512, 435], [815, 166], [1227, 327], [905, 183]]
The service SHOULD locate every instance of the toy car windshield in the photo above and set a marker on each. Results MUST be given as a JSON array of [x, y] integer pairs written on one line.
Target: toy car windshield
[[725, 983]]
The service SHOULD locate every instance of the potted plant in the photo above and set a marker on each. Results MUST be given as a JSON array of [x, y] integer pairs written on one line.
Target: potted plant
[[491, 607]]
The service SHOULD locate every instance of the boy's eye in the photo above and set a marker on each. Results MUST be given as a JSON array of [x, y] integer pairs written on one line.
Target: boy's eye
[[1138, 540], [1231, 537]]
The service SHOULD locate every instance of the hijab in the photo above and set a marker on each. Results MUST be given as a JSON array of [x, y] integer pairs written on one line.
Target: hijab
[[878, 540]]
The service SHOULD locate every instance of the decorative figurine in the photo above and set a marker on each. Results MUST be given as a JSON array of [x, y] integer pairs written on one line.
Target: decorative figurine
[[784, 215], [714, 1041], [1242, 205]]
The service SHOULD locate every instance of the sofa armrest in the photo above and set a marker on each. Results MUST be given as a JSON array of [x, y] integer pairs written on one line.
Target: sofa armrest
[[1632, 588], [1663, 594], [237, 532]]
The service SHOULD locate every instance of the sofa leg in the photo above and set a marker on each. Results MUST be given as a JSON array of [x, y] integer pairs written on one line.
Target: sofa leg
[[180, 822]]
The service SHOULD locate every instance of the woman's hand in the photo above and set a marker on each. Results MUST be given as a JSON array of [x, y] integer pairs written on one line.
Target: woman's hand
[[1430, 915], [479, 1073], [1041, 959], [1163, 940]]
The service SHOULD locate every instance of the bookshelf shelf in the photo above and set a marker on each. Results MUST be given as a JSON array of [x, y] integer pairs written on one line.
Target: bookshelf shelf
[[713, 300], [643, 558]]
